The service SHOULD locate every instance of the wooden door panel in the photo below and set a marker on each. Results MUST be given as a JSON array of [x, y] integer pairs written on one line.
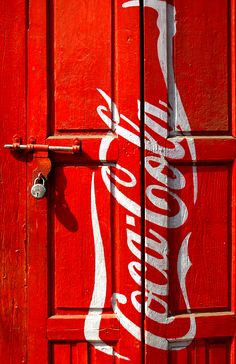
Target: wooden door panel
[[211, 246], [203, 35], [190, 181], [81, 61], [62, 353], [219, 352], [73, 251], [12, 184], [80, 353], [203, 351], [97, 356]]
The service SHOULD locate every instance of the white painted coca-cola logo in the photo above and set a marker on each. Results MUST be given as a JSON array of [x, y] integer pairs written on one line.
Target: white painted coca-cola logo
[[156, 163]]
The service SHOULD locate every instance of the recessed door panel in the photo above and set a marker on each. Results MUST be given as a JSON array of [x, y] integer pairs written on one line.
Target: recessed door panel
[[81, 51]]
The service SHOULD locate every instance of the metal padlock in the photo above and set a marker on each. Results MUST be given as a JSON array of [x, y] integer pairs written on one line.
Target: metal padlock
[[38, 190]]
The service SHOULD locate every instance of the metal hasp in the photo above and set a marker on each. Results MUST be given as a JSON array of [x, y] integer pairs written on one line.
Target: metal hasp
[[43, 147]]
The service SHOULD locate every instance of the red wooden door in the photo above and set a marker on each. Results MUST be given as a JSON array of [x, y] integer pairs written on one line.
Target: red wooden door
[[131, 254], [189, 115]]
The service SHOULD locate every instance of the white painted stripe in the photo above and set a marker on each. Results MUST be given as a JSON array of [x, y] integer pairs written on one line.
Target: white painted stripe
[[93, 319], [130, 220]]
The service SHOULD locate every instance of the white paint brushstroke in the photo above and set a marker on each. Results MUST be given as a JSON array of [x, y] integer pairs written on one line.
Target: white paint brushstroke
[[183, 266], [94, 316], [151, 339], [114, 122], [166, 18], [130, 220], [104, 146]]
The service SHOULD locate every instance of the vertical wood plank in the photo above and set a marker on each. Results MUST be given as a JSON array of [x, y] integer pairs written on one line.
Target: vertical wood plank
[[79, 353], [218, 353], [233, 63], [178, 357], [126, 95], [62, 354], [37, 107], [37, 258], [96, 355], [233, 231], [200, 351], [12, 183], [155, 113], [232, 348]]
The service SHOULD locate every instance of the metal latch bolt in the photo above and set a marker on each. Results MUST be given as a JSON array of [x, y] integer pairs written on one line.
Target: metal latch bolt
[[43, 147]]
